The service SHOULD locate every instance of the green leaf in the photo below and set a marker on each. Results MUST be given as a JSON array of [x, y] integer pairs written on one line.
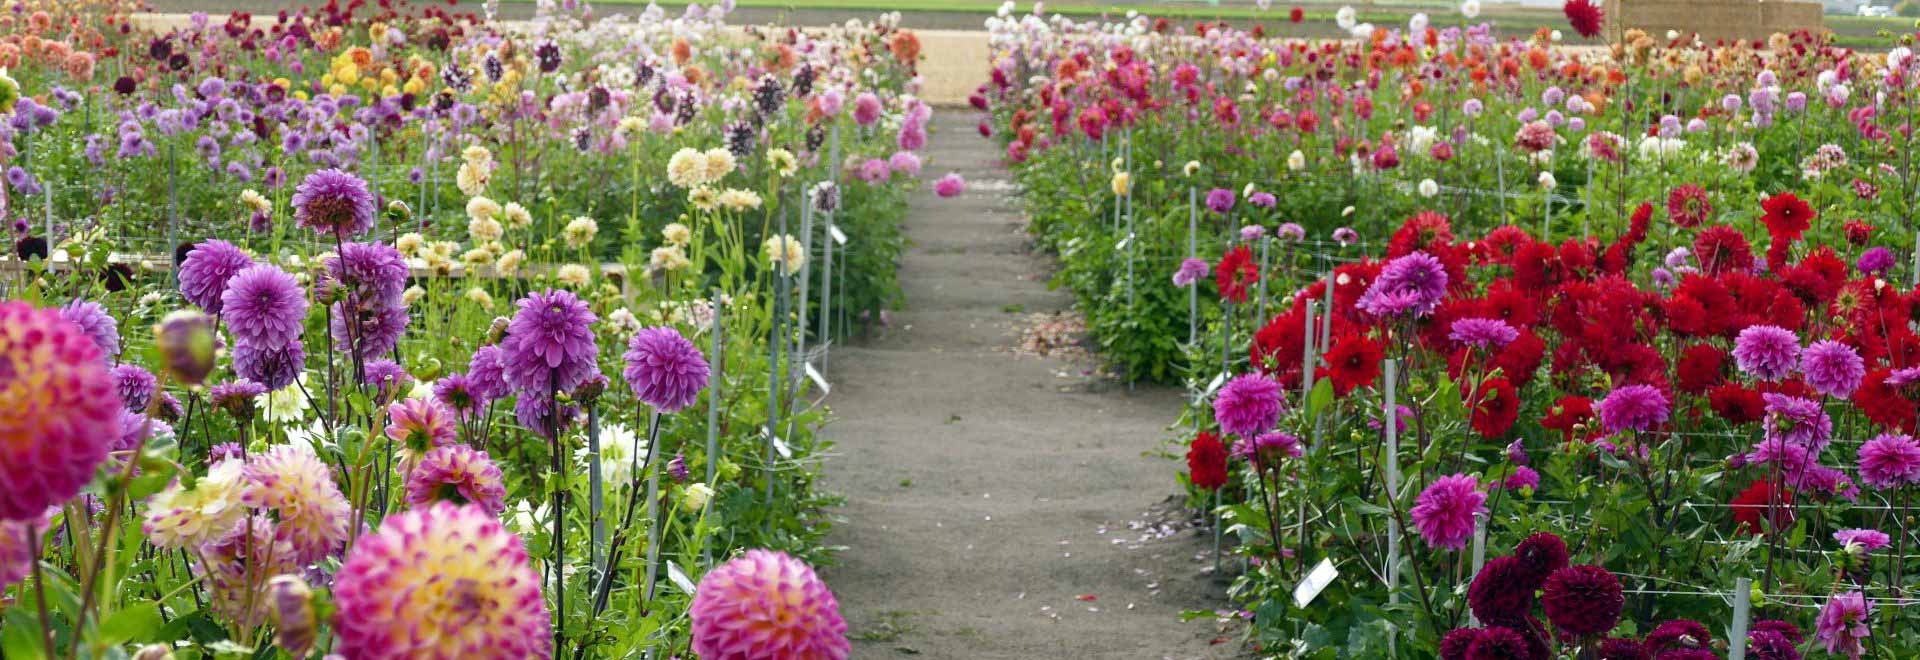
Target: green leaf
[[140, 622], [1320, 397]]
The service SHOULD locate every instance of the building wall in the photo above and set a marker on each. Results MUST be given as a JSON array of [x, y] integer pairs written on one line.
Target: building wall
[[1712, 19]]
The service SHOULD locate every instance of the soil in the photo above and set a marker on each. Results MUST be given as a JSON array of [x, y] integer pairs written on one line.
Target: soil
[[1002, 504]]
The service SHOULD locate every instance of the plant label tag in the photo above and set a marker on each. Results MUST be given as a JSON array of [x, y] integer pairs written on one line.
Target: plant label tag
[[1122, 245], [838, 236], [1317, 580], [1218, 380], [679, 578], [780, 446], [818, 379]]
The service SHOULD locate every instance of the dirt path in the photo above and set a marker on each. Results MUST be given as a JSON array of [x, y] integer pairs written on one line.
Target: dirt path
[[993, 499]]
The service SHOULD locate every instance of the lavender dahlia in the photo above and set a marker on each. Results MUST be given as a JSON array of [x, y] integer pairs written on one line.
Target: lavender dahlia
[[1482, 333], [334, 203], [1766, 352], [135, 384], [264, 306], [1409, 284], [447, 580], [1443, 513], [96, 324], [1248, 404], [766, 604], [487, 374], [1191, 270], [59, 410], [664, 369], [205, 271], [274, 367], [549, 345]]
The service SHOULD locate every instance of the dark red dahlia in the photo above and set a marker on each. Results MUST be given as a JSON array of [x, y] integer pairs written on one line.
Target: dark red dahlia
[[1702, 367], [1687, 205], [1784, 629], [1207, 461], [1276, 348], [1736, 403], [1235, 273], [1502, 590], [1619, 648], [1585, 17], [1676, 634], [1495, 407], [1454, 645], [1722, 249], [1499, 643], [1582, 600], [1567, 413], [1296, 14], [1771, 645], [1541, 554]]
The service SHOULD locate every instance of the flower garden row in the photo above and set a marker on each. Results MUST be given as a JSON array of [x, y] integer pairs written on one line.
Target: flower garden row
[[1544, 352], [466, 341]]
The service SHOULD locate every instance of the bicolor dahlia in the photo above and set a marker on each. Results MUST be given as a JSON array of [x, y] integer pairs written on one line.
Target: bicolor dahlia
[[188, 517], [459, 474], [59, 410], [420, 425], [1890, 460], [446, 580], [290, 603], [94, 321], [1248, 404], [456, 392], [1443, 513], [1206, 462], [16, 548], [549, 345], [264, 306], [766, 604], [664, 369], [1634, 408], [205, 271], [236, 568], [1843, 624], [334, 203], [1766, 352], [1832, 368], [1582, 600], [297, 485]]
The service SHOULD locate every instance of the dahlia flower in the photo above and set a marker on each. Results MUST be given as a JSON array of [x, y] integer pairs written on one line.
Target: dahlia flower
[[1633, 408], [1766, 352], [182, 517], [291, 607], [487, 374], [272, 366], [1582, 600], [664, 369], [1832, 368], [16, 547], [1248, 404], [459, 474], [204, 273], [236, 567], [135, 384], [333, 203], [1443, 513], [420, 425], [1869, 540], [447, 580], [1206, 462], [766, 604], [1842, 624], [59, 410], [94, 321], [1413, 283], [1191, 270], [549, 345], [1890, 460], [1502, 590], [298, 486], [1486, 334], [264, 306]]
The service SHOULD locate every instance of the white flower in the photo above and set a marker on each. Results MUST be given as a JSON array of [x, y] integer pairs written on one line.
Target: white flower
[[517, 215], [1296, 161], [477, 155], [782, 161], [481, 208], [286, 404], [1363, 31], [1470, 9], [422, 390], [254, 201], [574, 275], [1429, 188], [696, 496], [620, 447], [1192, 167], [413, 294], [1546, 180], [785, 252], [1417, 24], [472, 179], [180, 517], [736, 199], [479, 296], [687, 168], [580, 232], [484, 230], [720, 163], [1344, 18], [510, 262], [409, 243], [677, 234]]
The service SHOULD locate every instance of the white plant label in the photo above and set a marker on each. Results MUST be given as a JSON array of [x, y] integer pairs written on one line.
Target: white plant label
[[781, 447], [1323, 574], [838, 236], [679, 578], [1218, 380], [818, 379]]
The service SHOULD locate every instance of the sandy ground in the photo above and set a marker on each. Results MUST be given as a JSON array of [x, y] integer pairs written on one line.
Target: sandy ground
[[1002, 506]]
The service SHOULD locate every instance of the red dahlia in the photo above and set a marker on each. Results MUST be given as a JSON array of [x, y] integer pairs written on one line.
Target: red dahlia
[[1722, 249], [1787, 217], [1353, 361], [1501, 590], [1585, 17], [1235, 273], [1207, 461], [1495, 407], [1736, 403], [1702, 367], [1756, 502], [1687, 205]]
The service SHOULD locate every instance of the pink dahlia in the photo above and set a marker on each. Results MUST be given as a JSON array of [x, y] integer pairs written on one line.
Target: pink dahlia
[[950, 185], [664, 369], [442, 581], [1843, 624], [1766, 352], [458, 474], [1832, 368], [1890, 460], [420, 424], [1249, 404], [16, 548], [236, 568], [299, 488], [1443, 513], [1634, 408], [59, 410], [767, 605]]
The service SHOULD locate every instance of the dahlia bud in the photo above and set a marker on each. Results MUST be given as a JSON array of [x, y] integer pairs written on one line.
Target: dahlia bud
[[590, 389], [498, 330], [398, 211], [185, 338], [695, 497], [293, 618], [677, 468]]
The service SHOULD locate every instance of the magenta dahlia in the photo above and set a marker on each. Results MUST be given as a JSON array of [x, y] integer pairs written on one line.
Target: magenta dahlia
[[1890, 460], [664, 369], [59, 410], [766, 604], [264, 306], [1443, 513], [459, 474], [1248, 404], [420, 425], [446, 580]]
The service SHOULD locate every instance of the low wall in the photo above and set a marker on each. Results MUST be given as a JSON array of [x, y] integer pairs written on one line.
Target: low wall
[[1712, 19]]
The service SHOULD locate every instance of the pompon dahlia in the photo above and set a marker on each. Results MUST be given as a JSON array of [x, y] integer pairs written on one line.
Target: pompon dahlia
[[766, 604], [1410, 284], [1582, 600], [334, 203], [1619, 648], [1502, 590], [1541, 554], [299, 487], [135, 384], [1248, 404], [1771, 645], [1633, 408], [420, 425], [1676, 634], [549, 346], [458, 474], [1832, 368], [205, 271], [443, 581], [183, 517], [1766, 352], [59, 410], [1585, 17], [1455, 644], [94, 321], [1499, 643], [264, 306], [664, 369], [487, 374], [1207, 462], [273, 367], [1890, 460], [1443, 513]]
